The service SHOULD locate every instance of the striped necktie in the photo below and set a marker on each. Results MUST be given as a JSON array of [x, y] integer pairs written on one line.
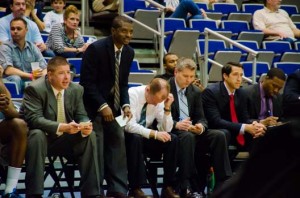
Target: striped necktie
[[116, 86], [183, 105], [60, 109], [142, 120]]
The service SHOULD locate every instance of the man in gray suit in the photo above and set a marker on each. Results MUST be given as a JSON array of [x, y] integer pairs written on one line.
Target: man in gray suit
[[58, 123]]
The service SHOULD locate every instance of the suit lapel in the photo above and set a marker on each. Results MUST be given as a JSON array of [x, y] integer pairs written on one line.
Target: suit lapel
[[190, 99], [111, 53], [67, 104], [257, 99], [51, 97], [176, 102]]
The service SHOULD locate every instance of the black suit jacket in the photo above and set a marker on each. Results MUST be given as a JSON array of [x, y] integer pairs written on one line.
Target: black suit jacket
[[98, 74], [193, 95], [291, 95], [217, 108], [254, 102]]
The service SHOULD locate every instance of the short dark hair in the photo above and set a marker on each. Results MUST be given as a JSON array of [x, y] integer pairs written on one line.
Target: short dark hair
[[157, 84], [118, 20], [55, 62], [52, 1], [227, 68], [276, 72], [19, 19], [165, 57]]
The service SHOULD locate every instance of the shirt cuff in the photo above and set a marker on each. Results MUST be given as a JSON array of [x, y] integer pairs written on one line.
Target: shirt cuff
[[102, 107], [83, 135], [58, 133], [125, 105], [242, 130]]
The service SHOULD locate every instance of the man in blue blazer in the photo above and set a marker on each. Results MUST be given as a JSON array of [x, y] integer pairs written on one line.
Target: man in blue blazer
[[98, 77], [216, 104], [54, 110]]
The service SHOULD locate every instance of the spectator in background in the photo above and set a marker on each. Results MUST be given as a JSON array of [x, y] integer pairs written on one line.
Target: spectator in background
[[264, 100], [13, 134], [275, 23], [55, 15], [18, 8], [170, 61], [210, 2], [185, 9], [105, 5], [65, 38], [34, 12], [18, 54]]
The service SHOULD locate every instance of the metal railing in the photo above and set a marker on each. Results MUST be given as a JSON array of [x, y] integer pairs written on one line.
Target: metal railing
[[161, 34], [204, 67]]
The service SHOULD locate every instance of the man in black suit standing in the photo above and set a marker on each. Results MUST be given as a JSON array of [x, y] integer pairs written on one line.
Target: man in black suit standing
[[104, 76], [191, 128], [264, 101], [225, 107]]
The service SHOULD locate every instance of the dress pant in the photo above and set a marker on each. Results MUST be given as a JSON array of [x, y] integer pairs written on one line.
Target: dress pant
[[137, 147], [214, 143], [111, 154], [186, 163], [83, 149]]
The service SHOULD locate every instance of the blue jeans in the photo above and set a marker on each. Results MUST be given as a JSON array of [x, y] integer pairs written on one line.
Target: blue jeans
[[18, 80], [186, 7]]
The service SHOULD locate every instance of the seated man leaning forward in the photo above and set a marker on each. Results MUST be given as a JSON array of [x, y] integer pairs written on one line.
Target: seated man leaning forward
[[13, 134], [149, 103], [19, 56], [58, 125]]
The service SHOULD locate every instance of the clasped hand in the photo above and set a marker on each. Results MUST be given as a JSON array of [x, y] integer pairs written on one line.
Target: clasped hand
[[73, 128]]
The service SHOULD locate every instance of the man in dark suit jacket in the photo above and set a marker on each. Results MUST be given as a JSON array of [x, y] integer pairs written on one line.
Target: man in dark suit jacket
[[98, 77], [56, 131], [291, 96], [191, 128], [216, 104], [263, 99]]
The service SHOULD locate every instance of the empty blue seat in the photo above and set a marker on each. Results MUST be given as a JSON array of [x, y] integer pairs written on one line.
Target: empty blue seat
[[135, 67], [251, 7], [261, 68], [290, 9], [225, 8], [287, 67]]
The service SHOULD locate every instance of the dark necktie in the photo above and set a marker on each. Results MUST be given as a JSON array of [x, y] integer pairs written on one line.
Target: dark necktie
[[116, 86], [143, 115], [268, 109], [183, 105], [240, 138]]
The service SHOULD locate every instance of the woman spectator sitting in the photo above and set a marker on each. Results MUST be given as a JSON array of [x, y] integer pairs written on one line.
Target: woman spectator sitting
[[64, 38]]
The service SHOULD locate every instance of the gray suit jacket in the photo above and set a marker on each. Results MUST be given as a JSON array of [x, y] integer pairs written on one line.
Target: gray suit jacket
[[40, 106]]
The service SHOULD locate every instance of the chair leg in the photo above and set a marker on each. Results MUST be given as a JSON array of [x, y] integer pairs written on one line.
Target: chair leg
[[52, 172]]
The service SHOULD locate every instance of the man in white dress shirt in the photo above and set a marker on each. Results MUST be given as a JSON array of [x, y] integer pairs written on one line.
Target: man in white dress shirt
[[148, 132]]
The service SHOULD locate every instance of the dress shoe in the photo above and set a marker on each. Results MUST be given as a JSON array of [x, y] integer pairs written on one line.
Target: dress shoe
[[188, 193], [137, 193], [116, 195], [168, 192]]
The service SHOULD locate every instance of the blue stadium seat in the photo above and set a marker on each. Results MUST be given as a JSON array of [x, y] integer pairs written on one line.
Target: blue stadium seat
[[287, 67], [76, 63], [290, 9], [235, 26], [225, 8], [261, 68], [13, 89], [251, 7], [202, 5], [135, 67]]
